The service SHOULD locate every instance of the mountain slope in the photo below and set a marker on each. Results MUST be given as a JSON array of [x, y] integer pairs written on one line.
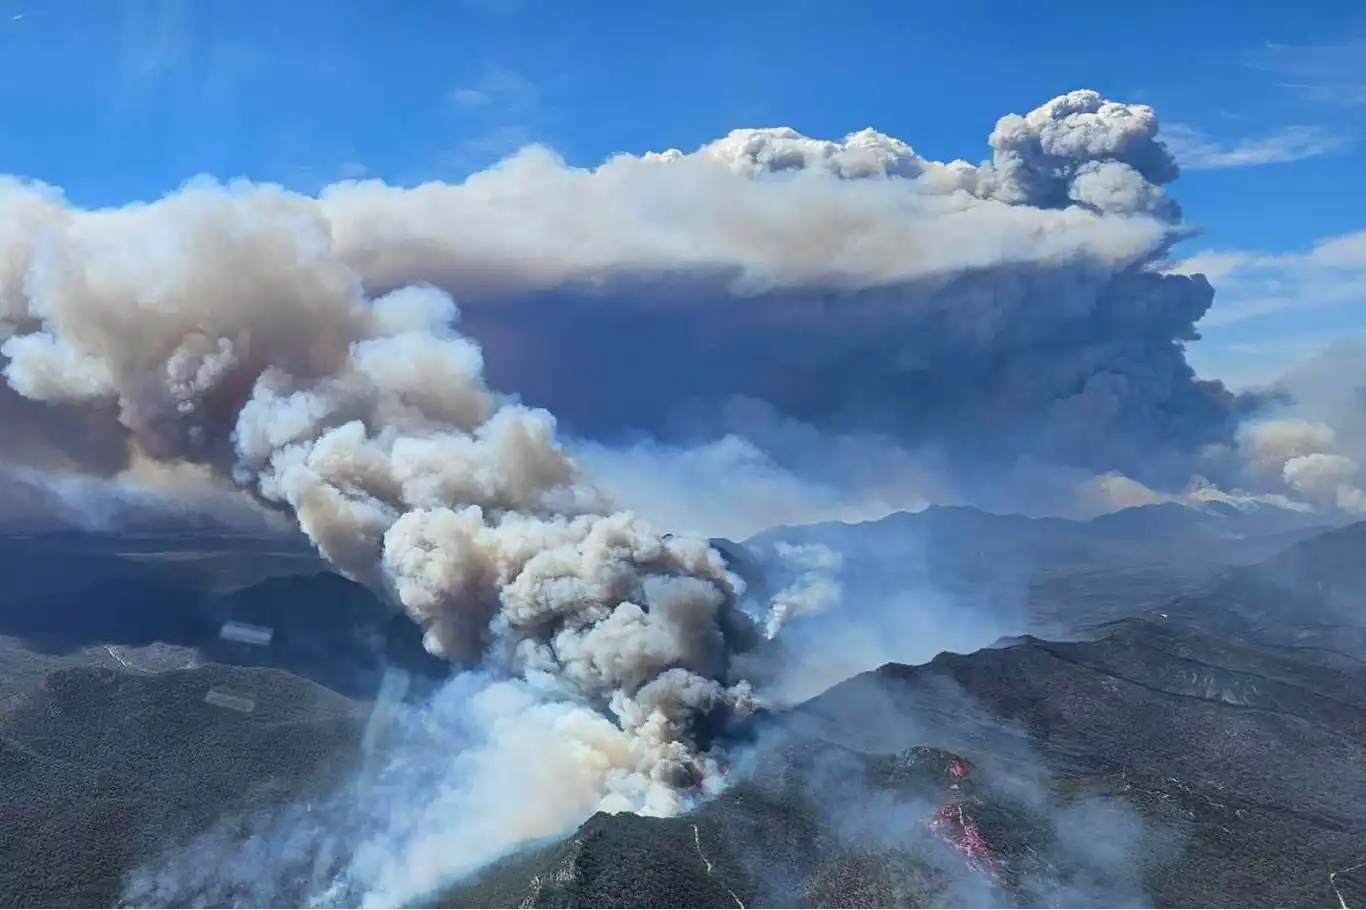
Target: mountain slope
[[1276, 737], [1154, 765], [812, 824], [103, 770], [1312, 595]]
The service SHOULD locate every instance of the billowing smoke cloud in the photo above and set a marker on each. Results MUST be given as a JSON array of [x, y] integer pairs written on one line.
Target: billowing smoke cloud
[[814, 588], [225, 332], [371, 423], [1009, 307], [1312, 444], [307, 348]]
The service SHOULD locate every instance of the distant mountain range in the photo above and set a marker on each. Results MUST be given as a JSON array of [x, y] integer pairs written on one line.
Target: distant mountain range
[[957, 578], [1165, 532]]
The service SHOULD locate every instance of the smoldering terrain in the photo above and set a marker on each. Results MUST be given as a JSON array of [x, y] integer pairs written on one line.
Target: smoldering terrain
[[656, 534]]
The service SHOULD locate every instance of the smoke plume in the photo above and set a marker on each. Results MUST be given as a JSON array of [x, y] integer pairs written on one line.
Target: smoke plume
[[1311, 443], [1009, 307], [312, 351]]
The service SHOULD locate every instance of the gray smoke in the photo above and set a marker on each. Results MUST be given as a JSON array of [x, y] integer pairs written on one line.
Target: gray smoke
[[221, 327], [311, 350], [1010, 307], [1310, 441]]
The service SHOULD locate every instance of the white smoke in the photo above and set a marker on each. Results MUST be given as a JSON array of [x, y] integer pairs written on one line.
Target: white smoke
[[226, 332], [815, 588], [372, 424], [311, 350], [1314, 443], [839, 281], [510, 766]]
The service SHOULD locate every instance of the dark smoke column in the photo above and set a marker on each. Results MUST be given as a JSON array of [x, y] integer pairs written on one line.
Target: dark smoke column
[[1007, 309]]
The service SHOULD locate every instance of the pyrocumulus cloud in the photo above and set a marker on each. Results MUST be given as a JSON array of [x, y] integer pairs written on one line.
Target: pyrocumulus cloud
[[312, 351]]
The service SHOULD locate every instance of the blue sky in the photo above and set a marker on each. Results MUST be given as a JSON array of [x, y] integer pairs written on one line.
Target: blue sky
[[117, 100]]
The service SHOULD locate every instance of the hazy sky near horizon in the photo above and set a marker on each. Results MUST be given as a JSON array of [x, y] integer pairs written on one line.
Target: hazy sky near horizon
[[1264, 104]]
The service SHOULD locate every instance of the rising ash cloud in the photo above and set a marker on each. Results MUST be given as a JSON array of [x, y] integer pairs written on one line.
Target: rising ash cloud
[[1002, 310], [1005, 309]]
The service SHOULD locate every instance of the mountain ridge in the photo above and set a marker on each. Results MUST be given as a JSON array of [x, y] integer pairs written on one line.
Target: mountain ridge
[[1203, 744]]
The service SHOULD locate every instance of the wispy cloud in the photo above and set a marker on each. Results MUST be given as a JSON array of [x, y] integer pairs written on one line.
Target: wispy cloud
[[1197, 151], [1251, 285], [1273, 310], [470, 97], [1257, 364], [1334, 73], [499, 112], [505, 91], [155, 41]]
